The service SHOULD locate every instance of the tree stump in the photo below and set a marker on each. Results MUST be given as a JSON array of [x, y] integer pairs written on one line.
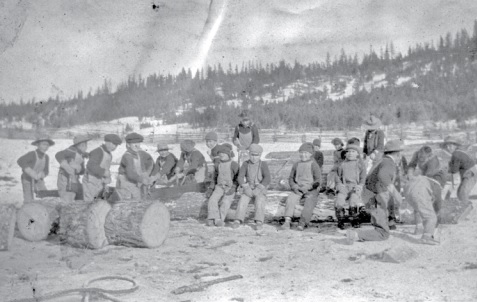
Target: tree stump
[[36, 219], [82, 223], [7, 226], [137, 224]]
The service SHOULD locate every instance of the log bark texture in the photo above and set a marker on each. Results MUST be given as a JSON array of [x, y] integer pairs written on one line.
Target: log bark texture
[[137, 224], [36, 219], [7, 226], [82, 223]]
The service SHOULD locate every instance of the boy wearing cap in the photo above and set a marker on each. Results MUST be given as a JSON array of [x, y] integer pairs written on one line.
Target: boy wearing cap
[[165, 164], [380, 189], [350, 179], [337, 160], [373, 141], [71, 168], [245, 134], [254, 178], [135, 169], [211, 140], [317, 154], [305, 178], [35, 167], [98, 173], [461, 163], [191, 164], [223, 186]]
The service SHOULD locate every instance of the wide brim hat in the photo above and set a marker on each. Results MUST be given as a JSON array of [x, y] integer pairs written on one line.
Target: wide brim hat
[[43, 139], [244, 114], [80, 139], [394, 146], [451, 140], [162, 147], [372, 123]]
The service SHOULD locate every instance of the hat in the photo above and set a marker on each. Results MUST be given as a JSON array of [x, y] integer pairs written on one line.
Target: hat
[[317, 142], [353, 147], [244, 114], [393, 146], [225, 148], [337, 141], [80, 139], [306, 147], [452, 140], [372, 122], [187, 145], [255, 149], [134, 138], [162, 147], [211, 136], [113, 138], [43, 138], [353, 140]]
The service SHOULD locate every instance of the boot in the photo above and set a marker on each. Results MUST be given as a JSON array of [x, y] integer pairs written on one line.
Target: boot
[[354, 217], [340, 218], [286, 224]]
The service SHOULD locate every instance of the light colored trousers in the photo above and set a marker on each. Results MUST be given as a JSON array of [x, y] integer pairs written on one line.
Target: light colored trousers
[[260, 202], [216, 211], [347, 195], [311, 199]]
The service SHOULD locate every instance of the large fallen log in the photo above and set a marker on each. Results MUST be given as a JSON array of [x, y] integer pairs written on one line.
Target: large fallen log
[[137, 224], [35, 220], [7, 225], [82, 223]]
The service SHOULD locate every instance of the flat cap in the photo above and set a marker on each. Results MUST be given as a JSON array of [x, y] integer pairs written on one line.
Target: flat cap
[[134, 138], [113, 138], [337, 141], [255, 149], [162, 147], [393, 146], [317, 142], [187, 145], [211, 136], [306, 147]]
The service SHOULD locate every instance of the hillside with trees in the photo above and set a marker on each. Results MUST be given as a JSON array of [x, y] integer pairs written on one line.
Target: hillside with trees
[[434, 81]]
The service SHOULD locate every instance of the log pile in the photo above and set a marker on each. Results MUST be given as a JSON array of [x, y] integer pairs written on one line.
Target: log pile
[[82, 224], [7, 226], [35, 220], [137, 224]]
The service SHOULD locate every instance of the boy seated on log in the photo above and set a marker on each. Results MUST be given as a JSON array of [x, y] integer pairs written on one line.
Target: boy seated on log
[[98, 173], [254, 178], [211, 141], [71, 168], [223, 187], [305, 179], [337, 160], [166, 162], [134, 169], [35, 167], [350, 179], [191, 166]]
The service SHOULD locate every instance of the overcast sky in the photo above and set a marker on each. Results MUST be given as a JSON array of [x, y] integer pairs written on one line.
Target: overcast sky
[[50, 47]]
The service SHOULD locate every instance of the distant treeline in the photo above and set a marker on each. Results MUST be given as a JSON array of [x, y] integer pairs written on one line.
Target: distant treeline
[[443, 87]]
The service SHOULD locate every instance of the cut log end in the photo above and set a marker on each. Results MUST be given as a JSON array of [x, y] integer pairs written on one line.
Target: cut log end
[[35, 220], [7, 226], [155, 225], [95, 224]]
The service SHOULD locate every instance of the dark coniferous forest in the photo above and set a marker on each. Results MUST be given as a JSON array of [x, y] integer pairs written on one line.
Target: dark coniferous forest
[[433, 81]]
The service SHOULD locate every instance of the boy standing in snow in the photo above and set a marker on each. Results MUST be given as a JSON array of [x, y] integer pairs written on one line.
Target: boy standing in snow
[[97, 174], [305, 178], [350, 179], [223, 187], [71, 168], [254, 178], [35, 167]]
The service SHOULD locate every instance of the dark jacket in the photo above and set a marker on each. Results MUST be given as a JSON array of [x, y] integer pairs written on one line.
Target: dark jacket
[[382, 176], [29, 160], [373, 140], [94, 161]]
